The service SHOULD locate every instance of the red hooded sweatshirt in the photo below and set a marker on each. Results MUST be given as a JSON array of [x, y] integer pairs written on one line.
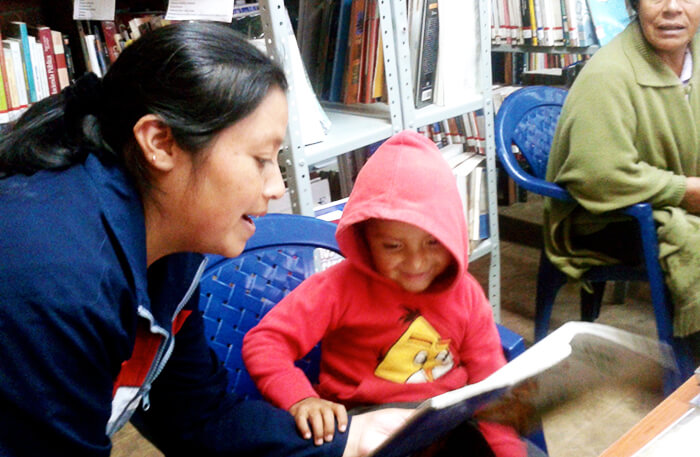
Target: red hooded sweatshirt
[[371, 329]]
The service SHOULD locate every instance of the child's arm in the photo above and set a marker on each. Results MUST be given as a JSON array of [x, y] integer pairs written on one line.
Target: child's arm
[[321, 416]]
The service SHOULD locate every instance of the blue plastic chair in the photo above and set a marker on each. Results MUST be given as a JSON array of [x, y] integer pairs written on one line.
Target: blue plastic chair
[[235, 293], [528, 118]]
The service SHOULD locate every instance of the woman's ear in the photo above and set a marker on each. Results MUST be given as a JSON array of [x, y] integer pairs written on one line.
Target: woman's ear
[[156, 141]]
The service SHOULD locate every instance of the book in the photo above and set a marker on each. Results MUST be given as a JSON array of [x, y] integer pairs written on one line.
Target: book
[[61, 63], [70, 65], [353, 54], [18, 30], [43, 35], [370, 43], [40, 78], [426, 64], [340, 52], [112, 38], [5, 104], [13, 52], [576, 358]]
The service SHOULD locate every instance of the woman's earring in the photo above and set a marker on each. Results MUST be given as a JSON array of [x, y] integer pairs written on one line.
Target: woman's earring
[[154, 157]]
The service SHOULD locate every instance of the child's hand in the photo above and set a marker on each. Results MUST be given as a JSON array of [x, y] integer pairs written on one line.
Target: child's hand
[[321, 416]]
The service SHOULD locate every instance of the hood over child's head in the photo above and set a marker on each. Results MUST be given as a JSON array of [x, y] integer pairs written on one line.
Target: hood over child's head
[[408, 181]]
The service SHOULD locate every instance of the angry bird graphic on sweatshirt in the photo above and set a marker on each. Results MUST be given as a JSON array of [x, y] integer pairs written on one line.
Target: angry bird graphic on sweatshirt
[[419, 355]]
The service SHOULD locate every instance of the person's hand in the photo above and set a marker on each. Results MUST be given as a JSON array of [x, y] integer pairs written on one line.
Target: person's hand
[[320, 415], [691, 198], [369, 430]]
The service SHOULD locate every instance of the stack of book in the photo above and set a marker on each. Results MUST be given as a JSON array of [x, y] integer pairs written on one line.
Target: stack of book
[[35, 62]]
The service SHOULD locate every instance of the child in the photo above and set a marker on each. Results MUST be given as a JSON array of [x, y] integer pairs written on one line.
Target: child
[[400, 319]]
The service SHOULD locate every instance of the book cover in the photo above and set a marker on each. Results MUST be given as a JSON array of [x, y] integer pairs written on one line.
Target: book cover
[[353, 66], [91, 49], [60, 56], [576, 358], [43, 36], [18, 30], [424, 80], [340, 51]]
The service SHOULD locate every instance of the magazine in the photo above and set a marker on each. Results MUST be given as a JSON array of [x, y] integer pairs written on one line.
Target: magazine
[[576, 358]]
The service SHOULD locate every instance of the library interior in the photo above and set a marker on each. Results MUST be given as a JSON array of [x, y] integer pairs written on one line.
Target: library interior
[[361, 71]]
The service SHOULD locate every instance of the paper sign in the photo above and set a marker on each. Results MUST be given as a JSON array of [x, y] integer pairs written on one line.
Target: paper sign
[[93, 10], [200, 10]]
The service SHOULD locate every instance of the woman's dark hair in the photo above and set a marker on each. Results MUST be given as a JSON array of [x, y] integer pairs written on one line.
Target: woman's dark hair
[[199, 78]]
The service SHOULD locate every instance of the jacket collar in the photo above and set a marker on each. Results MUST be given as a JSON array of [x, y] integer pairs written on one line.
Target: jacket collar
[[123, 211]]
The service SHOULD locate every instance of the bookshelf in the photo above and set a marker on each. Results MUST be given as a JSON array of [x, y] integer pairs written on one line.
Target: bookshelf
[[355, 126], [352, 126]]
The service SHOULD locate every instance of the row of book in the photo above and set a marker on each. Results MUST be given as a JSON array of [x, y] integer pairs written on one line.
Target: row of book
[[35, 62], [466, 130], [513, 67], [575, 23], [340, 46]]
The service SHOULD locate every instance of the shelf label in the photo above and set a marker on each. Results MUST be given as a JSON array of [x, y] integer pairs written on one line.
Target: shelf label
[[93, 10]]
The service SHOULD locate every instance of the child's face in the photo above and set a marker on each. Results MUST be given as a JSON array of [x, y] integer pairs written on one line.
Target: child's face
[[407, 255]]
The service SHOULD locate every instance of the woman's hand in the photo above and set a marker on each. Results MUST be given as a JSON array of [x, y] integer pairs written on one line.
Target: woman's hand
[[369, 430], [691, 198], [320, 415]]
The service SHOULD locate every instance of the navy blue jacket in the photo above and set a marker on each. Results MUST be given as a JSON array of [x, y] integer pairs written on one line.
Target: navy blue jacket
[[74, 289]]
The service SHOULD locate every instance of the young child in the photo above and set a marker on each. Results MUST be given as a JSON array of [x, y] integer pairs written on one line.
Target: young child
[[400, 319]]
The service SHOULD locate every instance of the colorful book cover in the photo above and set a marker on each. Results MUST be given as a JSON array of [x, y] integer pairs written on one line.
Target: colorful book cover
[[43, 36]]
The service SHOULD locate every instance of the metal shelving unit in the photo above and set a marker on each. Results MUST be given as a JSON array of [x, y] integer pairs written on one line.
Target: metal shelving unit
[[361, 125]]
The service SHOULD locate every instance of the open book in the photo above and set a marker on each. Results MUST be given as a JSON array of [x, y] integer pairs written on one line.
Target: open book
[[576, 358]]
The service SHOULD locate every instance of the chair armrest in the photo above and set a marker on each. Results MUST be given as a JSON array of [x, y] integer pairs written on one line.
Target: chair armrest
[[513, 344]]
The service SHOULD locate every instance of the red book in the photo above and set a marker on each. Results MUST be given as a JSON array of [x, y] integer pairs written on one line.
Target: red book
[[109, 30], [353, 68], [61, 65], [43, 35]]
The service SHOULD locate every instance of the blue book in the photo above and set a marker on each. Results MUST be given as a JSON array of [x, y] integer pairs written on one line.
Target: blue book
[[341, 46], [17, 29]]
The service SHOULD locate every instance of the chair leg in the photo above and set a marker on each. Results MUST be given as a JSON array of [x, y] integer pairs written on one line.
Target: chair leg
[[590, 302], [549, 281]]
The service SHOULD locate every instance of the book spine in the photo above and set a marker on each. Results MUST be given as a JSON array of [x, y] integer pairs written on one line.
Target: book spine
[[370, 55], [19, 31], [20, 75], [44, 36], [533, 21], [83, 46], [100, 48], [92, 55], [427, 55], [353, 67], [5, 104], [40, 79], [109, 30], [341, 46], [68, 51], [13, 90], [60, 56]]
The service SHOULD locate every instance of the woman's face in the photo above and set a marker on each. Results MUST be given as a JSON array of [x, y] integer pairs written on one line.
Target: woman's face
[[669, 25], [236, 180]]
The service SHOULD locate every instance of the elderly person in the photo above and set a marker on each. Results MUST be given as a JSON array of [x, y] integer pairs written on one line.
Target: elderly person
[[629, 132]]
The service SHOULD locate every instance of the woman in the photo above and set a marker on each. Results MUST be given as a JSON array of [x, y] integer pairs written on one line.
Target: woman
[[630, 132], [107, 190]]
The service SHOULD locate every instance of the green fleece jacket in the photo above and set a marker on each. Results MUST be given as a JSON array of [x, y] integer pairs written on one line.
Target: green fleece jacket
[[629, 133]]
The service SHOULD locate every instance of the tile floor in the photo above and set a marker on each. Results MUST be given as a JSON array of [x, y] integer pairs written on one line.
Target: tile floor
[[583, 428]]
